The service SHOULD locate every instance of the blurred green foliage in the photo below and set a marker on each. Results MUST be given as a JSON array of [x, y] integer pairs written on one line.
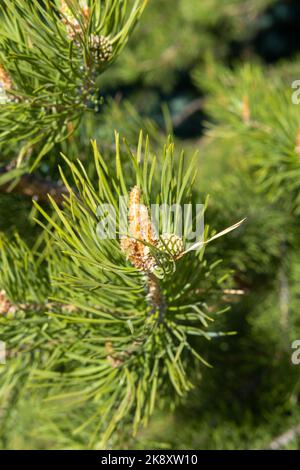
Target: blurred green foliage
[[245, 128]]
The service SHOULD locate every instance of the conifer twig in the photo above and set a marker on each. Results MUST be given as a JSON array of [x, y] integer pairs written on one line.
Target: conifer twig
[[154, 296], [188, 111], [35, 187]]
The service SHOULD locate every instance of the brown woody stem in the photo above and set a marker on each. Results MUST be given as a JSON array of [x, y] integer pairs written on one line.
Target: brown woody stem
[[154, 296], [35, 187]]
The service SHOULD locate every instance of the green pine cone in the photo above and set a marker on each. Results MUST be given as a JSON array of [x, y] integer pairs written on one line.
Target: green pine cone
[[171, 243], [101, 48]]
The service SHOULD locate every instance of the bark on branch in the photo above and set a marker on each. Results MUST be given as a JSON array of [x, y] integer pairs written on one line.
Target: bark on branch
[[34, 187]]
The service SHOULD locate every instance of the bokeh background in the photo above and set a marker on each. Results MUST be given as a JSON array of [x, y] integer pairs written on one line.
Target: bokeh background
[[202, 70]]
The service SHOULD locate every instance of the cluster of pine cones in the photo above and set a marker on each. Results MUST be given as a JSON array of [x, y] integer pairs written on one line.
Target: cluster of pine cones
[[100, 46], [142, 236]]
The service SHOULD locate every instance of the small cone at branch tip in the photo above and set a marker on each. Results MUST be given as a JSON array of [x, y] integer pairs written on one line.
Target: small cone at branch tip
[[140, 230], [137, 246], [101, 48], [172, 243]]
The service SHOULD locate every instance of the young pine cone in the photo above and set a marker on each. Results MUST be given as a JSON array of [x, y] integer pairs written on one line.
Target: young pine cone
[[101, 48], [171, 243], [141, 230]]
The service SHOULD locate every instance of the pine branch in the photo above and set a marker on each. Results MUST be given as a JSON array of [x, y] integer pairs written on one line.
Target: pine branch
[[155, 296], [188, 111], [137, 295], [51, 58], [35, 187]]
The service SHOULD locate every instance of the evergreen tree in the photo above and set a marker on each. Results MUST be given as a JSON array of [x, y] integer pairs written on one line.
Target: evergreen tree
[[143, 339]]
